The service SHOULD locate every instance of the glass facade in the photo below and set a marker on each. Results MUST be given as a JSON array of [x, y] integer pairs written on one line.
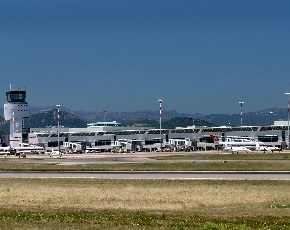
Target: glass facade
[[16, 96], [206, 139], [103, 142], [268, 138]]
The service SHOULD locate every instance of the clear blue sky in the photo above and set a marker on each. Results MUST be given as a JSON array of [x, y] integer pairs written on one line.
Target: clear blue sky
[[199, 56]]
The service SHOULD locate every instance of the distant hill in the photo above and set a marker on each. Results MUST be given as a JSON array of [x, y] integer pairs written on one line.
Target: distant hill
[[43, 117], [171, 123], [46, 118], [125, 117], [259, 118], [263, 117]]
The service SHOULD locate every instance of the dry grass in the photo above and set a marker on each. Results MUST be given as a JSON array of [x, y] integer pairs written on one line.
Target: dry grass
[[233, 198]]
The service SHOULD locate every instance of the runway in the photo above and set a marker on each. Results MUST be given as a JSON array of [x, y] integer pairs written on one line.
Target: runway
[[82, 159], [153, 175]]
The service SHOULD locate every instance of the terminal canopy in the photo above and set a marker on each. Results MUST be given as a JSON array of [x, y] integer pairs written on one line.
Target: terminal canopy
[[16, 96]]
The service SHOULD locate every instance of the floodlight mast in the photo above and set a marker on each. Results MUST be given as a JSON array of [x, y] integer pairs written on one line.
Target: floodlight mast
[[288, 119], [160, 106], [58, 119]]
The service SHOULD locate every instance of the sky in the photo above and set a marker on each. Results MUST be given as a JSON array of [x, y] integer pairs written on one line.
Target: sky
[[198, 56]]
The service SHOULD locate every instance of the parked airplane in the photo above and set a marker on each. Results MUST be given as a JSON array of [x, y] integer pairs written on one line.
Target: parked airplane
[[237, 149], [267, 148], [242, 144], [236, 146], [6, 149], [235, 142], [26, 148]]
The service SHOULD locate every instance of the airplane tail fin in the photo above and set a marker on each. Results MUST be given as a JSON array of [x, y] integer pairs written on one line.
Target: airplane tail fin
[[214, 137]]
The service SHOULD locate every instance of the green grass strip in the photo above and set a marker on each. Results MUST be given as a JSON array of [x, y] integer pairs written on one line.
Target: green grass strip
[[133, 220]]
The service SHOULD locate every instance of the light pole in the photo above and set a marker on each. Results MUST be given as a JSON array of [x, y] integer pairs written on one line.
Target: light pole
[[241, 103], [272, 116], [190, 118], [105, 116], [288, 120], [160, 102], [58, 119]]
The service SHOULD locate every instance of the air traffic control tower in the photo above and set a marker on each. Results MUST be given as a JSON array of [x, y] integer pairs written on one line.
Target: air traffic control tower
[[15, 110]]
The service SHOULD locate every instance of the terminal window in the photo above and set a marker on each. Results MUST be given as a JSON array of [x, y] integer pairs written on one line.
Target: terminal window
[[270, 138]]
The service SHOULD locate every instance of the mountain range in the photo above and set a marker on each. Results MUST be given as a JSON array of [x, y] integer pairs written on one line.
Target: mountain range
[[43, 117]]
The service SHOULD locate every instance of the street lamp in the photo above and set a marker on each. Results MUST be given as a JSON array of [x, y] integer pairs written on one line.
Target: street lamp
[[58, 119], [272, 115], [190, 118], [288, 119], [160, 102], [105, 116], [241, 103]]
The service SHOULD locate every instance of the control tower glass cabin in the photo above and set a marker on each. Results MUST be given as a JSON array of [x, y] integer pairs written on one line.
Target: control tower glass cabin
[[15, 110]]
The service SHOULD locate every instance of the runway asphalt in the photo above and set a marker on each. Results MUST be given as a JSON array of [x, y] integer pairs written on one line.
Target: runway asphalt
[[113, 158]]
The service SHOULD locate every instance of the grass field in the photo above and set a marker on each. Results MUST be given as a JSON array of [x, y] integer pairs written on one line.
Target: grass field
[[148, 204], [221, 156], [143, 204]]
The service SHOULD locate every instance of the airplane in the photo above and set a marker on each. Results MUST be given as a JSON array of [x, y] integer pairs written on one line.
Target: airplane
[[25, 148], [273, 148], [270, 149], [235, 141], [6, 148], [241, 144], [236, 149]]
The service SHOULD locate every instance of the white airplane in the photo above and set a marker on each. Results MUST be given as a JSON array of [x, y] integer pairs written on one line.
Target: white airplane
[[241, 144], [237, 142], [268, 149], [237, 149], [26, 148], [5, 149]]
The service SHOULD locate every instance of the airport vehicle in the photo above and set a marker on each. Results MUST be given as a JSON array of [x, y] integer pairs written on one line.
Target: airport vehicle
[[55, 153]]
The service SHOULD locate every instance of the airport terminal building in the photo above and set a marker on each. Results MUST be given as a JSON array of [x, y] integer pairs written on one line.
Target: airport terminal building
[[112, 136], [108, 136]]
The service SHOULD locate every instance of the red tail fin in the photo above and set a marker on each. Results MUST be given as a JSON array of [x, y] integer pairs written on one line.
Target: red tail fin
[[214, 137]]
